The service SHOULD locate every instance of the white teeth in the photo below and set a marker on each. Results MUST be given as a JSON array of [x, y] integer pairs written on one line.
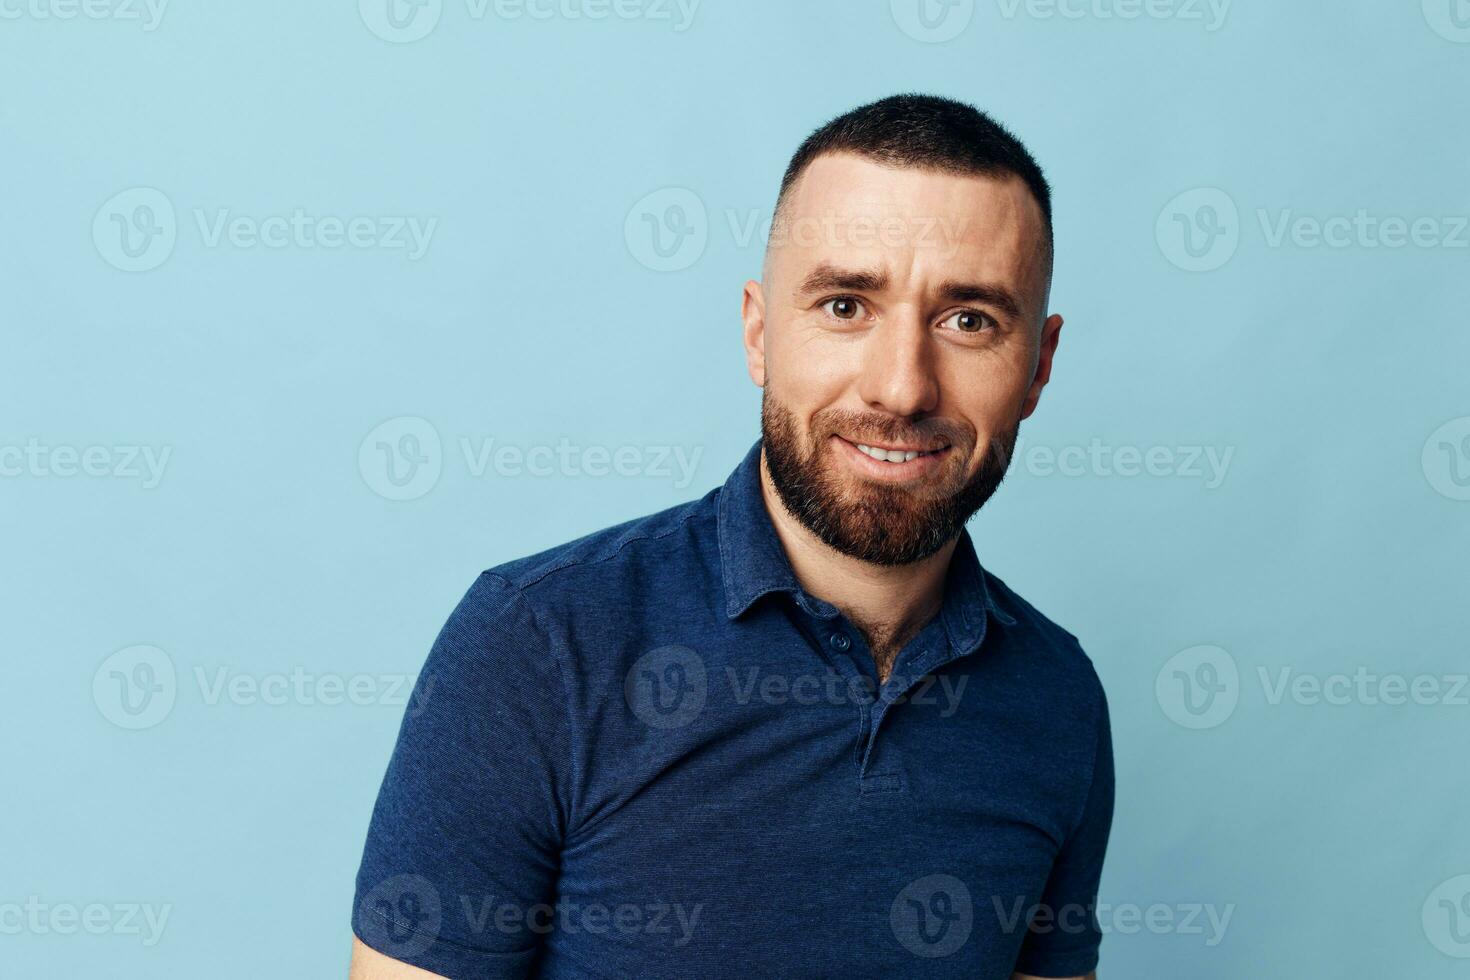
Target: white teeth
[[890, 455]]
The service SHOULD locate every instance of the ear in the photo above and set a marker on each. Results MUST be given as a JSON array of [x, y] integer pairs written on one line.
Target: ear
[[753, 312], [1051, 333]]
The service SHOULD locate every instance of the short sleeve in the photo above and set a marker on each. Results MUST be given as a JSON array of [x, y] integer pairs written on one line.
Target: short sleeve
[[1064, 935], [459, 867]]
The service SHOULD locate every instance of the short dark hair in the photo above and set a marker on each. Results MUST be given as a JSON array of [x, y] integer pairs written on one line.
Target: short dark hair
[[929, 132]]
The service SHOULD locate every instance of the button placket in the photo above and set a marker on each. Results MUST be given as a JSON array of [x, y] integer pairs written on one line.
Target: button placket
[[932, 653], [825, 630]]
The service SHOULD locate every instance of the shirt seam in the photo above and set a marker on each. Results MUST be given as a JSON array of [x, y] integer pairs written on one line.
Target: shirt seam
[[1097, 741], [693, 512], [573, 732]]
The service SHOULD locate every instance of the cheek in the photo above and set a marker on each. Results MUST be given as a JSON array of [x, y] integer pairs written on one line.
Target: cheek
[[809, 372], [987, 391]]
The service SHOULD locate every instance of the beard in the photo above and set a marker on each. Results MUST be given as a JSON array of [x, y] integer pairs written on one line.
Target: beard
[[883, 524]]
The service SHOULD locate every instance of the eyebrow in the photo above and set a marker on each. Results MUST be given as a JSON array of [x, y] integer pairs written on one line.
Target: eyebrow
[[826, 277]]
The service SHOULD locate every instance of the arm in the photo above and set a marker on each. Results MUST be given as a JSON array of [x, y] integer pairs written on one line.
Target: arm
[[466, 835], [1063, 941], [369, 964]]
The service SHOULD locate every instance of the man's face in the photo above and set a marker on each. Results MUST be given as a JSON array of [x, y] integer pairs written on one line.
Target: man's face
[[901, 316]]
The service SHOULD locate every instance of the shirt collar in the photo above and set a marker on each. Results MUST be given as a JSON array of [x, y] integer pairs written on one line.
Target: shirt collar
[[754, 564]]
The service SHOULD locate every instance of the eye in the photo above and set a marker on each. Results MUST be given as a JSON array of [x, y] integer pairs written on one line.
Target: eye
[[969, 321], [843, 307]]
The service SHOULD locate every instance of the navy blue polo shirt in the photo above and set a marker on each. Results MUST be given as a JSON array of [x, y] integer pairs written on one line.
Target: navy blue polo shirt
[[650, 753]]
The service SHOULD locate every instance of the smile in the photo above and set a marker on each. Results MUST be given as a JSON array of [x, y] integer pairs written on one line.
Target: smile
[[893, 455], [892, 463]]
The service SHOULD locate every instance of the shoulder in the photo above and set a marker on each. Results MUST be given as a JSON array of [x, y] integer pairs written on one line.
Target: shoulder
[[1047, 646], [607, 574], [665, 534]]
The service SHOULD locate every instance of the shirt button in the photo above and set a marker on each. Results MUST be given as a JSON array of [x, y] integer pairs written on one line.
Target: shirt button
[[839, 642]]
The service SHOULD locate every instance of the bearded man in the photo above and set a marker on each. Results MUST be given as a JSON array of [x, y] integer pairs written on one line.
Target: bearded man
[[792, 728]]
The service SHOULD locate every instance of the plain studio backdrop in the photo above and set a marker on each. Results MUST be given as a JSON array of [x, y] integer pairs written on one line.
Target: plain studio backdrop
[[312, 311]]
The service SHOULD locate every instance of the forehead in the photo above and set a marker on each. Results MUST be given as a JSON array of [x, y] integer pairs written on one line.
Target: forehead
[[910, 222]]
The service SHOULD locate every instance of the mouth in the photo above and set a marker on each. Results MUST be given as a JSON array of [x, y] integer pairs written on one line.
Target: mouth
[[895, 454], [894, 461]]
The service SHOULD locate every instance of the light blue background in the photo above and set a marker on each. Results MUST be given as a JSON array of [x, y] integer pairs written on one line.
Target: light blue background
[[1336, 540]]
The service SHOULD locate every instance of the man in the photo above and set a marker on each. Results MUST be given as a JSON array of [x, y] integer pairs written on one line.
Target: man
[[792, 728]]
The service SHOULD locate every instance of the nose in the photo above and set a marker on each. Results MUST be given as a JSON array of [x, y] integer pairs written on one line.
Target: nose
[[898, 372]]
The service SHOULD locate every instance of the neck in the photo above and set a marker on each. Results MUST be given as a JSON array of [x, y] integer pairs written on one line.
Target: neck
[[889, 603]]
